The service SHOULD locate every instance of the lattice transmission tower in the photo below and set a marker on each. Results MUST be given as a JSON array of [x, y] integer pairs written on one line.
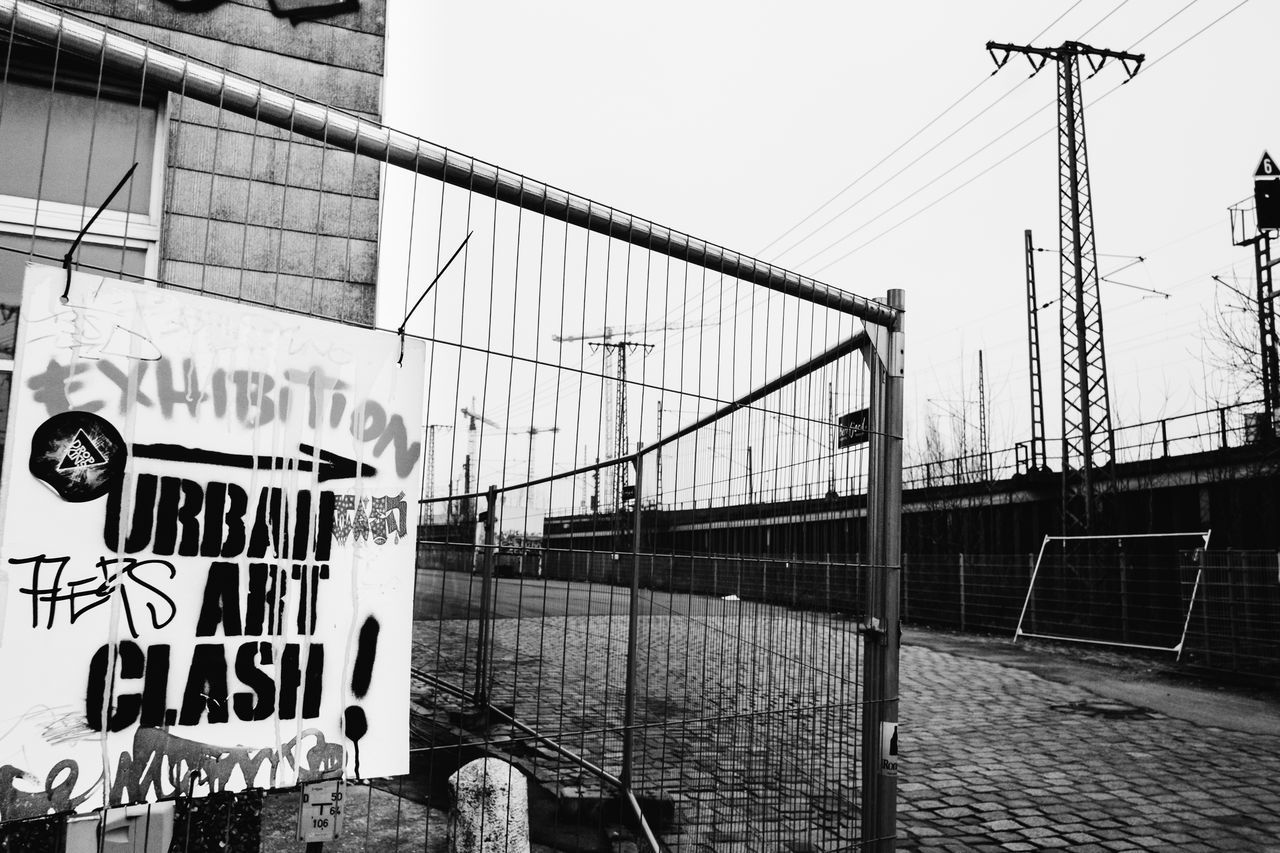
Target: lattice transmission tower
[[1088, 445]]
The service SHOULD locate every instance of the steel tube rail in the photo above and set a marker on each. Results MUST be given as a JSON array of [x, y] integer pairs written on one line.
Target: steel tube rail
[[564, 751], [246, 97]]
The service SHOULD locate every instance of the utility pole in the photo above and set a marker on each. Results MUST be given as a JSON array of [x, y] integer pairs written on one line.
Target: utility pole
[[1088, 445], [984, 447], [1257, 231], [1036, 459], [831, 460]]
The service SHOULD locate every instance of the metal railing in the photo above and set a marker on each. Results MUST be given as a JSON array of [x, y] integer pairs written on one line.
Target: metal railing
[[1203, 431]]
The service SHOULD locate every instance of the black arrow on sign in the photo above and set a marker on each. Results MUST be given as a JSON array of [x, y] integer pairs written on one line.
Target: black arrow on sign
[[331, 465]]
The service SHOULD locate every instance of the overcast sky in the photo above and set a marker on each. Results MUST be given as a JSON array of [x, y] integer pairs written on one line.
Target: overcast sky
[[736, 121]]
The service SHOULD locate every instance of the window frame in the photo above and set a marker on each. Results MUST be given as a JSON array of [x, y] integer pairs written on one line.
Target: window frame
[[22, 216]]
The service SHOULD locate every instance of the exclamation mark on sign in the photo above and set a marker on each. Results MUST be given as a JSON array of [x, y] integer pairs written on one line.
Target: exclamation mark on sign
[[355, 722]]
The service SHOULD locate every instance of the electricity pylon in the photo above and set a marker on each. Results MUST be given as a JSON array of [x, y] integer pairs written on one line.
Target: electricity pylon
[[616, 425], [1088, 445]]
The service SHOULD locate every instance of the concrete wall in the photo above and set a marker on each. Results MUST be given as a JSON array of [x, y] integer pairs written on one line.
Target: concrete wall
[[253, 212]]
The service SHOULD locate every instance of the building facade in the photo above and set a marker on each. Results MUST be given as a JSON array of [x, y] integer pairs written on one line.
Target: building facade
[[217, 203]]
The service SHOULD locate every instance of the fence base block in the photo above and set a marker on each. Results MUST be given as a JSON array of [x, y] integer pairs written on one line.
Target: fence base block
[[491, 811]]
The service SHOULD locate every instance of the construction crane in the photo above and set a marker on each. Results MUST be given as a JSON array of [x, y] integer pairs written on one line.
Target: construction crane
[[428, 491]]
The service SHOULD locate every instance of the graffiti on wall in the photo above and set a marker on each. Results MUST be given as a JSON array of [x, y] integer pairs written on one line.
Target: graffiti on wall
[[205, 568], [294, 10]]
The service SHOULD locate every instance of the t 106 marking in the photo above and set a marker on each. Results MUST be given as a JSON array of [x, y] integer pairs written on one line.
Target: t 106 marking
[[320, 811]]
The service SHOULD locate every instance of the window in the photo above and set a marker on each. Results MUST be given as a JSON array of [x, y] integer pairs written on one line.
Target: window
[[64, 148]]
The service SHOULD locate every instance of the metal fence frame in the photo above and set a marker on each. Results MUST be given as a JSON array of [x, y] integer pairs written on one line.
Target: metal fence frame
[[882, 345]]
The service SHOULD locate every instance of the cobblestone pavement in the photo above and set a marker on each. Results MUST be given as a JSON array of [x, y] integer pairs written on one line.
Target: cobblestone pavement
[[749, 717], [997, 758]]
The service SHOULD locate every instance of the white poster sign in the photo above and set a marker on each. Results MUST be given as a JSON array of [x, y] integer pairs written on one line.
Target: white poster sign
[[207, 547]]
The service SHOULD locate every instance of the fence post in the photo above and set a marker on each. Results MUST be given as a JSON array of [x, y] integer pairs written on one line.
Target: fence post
[[633, 634], [884, 535], [962, 620], [484, 641]]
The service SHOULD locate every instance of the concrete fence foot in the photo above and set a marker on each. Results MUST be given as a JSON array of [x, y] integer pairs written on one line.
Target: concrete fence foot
[[491, 808]]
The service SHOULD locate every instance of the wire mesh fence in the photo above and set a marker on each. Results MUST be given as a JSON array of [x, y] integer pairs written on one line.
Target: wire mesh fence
[[1235, 625], [1227, 602], [656, 518]]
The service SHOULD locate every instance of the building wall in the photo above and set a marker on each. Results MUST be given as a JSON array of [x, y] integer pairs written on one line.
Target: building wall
[[250, 211]]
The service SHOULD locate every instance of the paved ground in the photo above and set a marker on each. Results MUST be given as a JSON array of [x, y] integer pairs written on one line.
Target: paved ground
[[748, 722], [999, 757]]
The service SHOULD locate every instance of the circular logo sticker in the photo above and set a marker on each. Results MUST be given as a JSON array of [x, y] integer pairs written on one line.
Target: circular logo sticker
[[79, 454]]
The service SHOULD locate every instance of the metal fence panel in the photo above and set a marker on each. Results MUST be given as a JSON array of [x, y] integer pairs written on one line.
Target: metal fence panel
[[649, 558]]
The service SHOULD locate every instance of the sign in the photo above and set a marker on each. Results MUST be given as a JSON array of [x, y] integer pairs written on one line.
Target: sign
[[629, 492], [1266, 193], [889, 749], [320, 811], [206, 558], [853, 428], [1266, 168]]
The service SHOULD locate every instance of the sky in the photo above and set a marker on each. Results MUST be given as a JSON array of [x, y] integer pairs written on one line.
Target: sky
[[871, 147]]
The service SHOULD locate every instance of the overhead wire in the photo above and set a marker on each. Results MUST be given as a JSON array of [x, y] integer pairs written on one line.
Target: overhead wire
[[919, 158], [1146, 72], [911, 138]]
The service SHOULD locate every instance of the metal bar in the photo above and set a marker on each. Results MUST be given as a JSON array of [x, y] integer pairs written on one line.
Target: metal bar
[[1201, 533], [1017, 631], [633, 635], [594, 769], [484, 640], [884, 527], [1099, 642], [337, 129], [1186, 624], [644, 824]]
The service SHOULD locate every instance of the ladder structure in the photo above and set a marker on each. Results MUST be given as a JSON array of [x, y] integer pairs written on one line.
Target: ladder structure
[[1036, 457]]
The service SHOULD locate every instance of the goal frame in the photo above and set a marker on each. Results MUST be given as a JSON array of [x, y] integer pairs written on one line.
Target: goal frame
[[1186, 622]]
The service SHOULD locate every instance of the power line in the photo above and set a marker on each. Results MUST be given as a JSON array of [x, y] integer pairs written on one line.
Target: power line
[[901, 146], [1007, 157]]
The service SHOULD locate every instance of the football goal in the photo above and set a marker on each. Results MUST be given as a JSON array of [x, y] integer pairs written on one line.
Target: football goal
[[1133, 590]]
